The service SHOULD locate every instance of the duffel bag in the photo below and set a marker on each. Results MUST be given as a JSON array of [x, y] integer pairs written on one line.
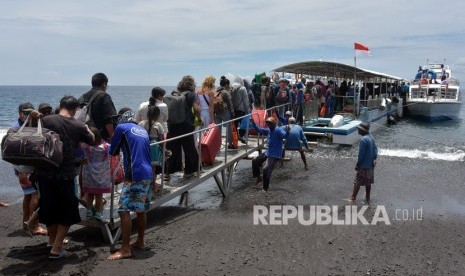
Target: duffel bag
[[32, 146]]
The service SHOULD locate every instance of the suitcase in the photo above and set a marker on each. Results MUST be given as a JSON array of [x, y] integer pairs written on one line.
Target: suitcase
[[259, 118], [235, 136], [210, 144]]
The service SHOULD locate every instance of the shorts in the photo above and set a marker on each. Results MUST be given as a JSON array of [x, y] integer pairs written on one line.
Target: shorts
[[364, 177], [135, 196], [28, 187], [58, 202]]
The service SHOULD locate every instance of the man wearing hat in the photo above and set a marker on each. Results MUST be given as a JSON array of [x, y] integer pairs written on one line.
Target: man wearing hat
[[295, 140], [133, 140], [283, 120], [273, 154], [367, 154], [45, 109]]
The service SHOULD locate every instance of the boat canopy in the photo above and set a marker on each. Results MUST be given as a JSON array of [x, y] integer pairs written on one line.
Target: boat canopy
[[334, 69]]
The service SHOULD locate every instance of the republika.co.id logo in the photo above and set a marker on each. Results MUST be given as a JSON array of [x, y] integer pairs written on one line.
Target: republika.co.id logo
[[326, 215]]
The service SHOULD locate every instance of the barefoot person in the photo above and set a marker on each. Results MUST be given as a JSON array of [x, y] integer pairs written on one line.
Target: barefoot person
[[367, 154], [134, 141]]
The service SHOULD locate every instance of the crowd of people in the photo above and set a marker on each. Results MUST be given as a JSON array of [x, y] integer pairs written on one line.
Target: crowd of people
[[90, 145]]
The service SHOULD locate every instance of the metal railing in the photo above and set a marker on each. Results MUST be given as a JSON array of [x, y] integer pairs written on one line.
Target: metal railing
[[163, 144]]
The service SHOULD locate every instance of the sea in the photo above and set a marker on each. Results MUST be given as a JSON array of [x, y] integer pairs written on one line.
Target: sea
[[408, 138]]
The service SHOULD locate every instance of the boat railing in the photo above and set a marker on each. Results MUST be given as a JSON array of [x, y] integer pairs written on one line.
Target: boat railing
[[371, 104], [434, 93]]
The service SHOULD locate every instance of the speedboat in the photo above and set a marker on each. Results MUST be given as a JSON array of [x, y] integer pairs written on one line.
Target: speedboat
[[434, 94]]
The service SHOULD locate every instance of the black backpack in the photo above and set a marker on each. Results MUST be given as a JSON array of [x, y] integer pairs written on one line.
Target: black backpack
[[177, 107]]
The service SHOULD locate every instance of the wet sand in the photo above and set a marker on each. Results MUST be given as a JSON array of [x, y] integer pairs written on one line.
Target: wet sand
[[217, 237]]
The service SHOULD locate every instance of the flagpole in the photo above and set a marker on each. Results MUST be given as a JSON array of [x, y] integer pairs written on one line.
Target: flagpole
[[355, 75]]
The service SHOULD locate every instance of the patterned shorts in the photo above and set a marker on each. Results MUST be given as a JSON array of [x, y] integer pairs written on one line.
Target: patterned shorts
[[135, 196], [364, 177]]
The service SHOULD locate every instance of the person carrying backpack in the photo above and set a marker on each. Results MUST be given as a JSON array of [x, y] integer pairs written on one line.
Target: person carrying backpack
[[186, 88], [224, 110], [240, 102], [103, 109]]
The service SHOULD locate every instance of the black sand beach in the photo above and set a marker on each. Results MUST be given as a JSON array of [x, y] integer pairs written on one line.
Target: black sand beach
[[222, 240]]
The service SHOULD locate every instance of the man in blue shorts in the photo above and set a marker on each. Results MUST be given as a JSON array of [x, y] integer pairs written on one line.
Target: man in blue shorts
[[134, 141]]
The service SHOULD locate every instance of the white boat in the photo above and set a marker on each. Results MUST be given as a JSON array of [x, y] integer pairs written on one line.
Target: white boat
[[433, 99], [377, 109]]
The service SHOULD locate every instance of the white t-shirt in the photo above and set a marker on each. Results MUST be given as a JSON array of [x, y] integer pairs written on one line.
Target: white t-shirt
[[163, 118], [155, 131]]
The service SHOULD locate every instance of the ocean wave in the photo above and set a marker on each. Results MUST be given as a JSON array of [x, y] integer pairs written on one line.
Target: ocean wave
[[421, 154]]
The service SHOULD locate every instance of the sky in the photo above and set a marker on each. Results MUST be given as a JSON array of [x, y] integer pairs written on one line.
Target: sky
[[155, 43]]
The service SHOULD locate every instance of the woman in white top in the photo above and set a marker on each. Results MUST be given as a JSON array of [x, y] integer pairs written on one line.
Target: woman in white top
[[157, 96], [206, 97]]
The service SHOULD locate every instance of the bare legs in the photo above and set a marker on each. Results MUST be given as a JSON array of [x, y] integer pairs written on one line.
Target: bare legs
[[57, 233], [357, 188], [126, 227]]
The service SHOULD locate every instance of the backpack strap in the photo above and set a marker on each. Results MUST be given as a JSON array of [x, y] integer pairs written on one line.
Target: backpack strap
[[205, 99], [89, 103]]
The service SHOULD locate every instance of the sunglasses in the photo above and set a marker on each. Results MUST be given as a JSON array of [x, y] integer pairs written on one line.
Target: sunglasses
[[26, 113]]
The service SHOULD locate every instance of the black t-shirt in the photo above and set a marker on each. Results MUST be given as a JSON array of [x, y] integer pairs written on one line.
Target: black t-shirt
[[71, 132], [103, 110], [191, 98]]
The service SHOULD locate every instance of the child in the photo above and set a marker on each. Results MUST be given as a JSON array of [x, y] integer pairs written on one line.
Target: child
[[96, 174], [155, 131]]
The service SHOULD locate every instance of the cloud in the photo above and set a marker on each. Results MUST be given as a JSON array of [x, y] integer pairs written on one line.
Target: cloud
[[137, 40]]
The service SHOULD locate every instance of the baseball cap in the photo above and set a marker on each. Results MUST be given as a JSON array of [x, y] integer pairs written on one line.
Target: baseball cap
[[43, 106], [288, 113], [26, 106]]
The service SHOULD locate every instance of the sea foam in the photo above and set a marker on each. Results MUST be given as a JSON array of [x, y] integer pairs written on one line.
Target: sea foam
[[420, 154]]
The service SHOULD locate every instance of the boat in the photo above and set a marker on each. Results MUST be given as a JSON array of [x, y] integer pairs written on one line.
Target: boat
[[434, 94], [377, 106]]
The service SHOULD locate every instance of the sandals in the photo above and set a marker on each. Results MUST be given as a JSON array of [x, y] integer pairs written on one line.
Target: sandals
[[89, 214], [27, 229], [98, 216], [63, 254]]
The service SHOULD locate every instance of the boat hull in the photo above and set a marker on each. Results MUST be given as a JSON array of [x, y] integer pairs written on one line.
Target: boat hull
[[434, 111], [347, 134]]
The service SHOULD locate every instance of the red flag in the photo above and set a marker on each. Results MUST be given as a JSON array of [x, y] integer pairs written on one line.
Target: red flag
[[361, 47]]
